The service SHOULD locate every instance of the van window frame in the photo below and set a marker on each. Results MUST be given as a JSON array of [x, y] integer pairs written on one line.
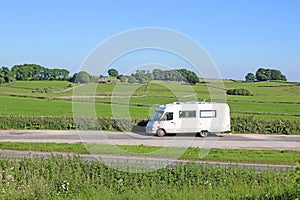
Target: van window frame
[[212, 111], [194, 115], [166, 115]]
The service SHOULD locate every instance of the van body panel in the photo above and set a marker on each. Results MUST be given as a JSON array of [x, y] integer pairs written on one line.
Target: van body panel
[[189, 117]]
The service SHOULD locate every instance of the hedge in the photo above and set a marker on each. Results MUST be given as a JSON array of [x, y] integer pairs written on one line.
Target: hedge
[[238, 124], [242, 92]]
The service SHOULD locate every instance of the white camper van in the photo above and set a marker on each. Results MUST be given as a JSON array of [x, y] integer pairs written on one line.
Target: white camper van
[[190, 117]]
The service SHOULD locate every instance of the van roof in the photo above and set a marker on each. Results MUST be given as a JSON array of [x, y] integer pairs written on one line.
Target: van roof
[[188, 103]]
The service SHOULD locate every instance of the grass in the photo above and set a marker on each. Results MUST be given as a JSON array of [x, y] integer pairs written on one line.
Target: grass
[[44, 107], [226, 155], [34, 107], [74, 178], [265, 107], [32, 85], [269, 97]]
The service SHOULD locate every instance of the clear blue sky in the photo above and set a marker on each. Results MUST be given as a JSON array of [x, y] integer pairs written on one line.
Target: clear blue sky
[[239, 35]]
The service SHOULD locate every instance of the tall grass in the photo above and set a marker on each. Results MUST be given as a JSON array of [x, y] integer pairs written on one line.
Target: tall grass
[[73, 178]]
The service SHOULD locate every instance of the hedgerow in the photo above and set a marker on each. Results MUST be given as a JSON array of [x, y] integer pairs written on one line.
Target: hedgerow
[[238, 124]]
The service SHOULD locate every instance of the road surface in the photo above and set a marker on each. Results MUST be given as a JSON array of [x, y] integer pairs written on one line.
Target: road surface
[[222, 141]]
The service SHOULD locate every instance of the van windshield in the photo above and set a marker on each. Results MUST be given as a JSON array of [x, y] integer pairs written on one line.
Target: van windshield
[[157, 115]]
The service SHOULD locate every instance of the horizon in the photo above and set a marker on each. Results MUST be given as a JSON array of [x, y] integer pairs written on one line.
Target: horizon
[[240, 37]]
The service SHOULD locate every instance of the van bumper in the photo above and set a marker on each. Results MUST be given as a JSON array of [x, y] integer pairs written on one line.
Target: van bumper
[[151, 130]]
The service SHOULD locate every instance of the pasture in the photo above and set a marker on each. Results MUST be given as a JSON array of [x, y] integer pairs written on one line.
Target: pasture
[[54, 98]]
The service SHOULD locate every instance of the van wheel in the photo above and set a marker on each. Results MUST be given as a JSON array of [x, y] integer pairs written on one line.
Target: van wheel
[[203, 133], [160, 133]]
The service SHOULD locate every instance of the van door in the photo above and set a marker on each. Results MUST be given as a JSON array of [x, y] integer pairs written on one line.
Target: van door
[[167, 122]]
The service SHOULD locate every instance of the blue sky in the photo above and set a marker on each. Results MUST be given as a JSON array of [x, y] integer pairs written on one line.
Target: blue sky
[[239, 35]]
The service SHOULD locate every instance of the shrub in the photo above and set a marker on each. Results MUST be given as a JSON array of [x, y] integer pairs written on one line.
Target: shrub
[[242, 92]]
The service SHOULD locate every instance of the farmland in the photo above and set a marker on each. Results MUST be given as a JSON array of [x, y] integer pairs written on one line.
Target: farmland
[[271, 103], [45, 98]]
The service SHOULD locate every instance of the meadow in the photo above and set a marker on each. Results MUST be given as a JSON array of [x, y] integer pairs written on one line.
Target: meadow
[[270, 100]]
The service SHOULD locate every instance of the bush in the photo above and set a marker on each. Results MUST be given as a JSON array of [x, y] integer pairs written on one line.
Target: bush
[[264, 126], [68, 123], [242, 92]]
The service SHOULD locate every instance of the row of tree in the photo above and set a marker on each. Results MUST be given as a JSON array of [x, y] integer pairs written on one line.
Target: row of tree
[[37, 72], [31, 72], [141, 76], [265, 75], [180, 75]]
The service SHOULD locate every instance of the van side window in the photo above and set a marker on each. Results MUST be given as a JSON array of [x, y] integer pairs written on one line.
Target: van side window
[[168, 116], [208, 113], [187, 114]]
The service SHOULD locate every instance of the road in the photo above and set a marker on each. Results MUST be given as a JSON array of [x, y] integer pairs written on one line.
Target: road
[[222, 141]]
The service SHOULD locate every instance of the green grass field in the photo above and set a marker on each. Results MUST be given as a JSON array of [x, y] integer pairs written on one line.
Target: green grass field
[[274, 99]]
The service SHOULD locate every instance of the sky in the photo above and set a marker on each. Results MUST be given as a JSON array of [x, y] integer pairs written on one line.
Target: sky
[[240, 36]]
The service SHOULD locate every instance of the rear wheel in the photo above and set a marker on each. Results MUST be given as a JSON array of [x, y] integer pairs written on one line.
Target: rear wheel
[[160, 133], [203, 133]]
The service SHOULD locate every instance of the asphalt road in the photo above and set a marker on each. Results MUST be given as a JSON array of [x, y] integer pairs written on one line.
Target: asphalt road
[[222, 141]]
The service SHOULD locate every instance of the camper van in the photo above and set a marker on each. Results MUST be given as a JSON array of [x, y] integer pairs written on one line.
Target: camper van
[[190, 117]]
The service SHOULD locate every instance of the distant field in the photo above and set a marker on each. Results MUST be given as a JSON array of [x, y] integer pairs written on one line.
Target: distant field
[[51, 85], [268, 97], [34, 107], [18, 106]]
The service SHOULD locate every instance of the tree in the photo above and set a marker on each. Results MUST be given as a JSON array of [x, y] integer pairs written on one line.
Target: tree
[[250, 77], [37, 72], [113, 72], [143, 76], [6, 75], [189, 76], [176, 75], [81, 77], [131, 79], [261, 75], [157, 74], [122, 79], [269, 74]]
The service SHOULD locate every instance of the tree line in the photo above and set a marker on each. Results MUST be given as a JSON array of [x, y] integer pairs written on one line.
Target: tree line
[[265, 75], [144, 76], [37, 72], [141, 76], [31, 72]]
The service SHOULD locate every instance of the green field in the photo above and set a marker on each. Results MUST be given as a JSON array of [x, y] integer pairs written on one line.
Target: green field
[[270, 99]]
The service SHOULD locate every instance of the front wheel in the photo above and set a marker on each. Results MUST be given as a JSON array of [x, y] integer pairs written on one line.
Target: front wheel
[[203, 133], [160, 133]]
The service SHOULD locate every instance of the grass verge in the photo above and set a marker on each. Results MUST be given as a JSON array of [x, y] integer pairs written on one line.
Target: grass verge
[[226, 155]]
